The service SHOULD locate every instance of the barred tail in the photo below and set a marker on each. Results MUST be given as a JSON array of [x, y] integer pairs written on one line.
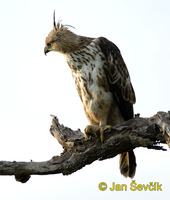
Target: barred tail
[[127, 164]]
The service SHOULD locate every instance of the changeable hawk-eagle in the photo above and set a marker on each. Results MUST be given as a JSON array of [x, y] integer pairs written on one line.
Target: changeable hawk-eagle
[[101, 78]]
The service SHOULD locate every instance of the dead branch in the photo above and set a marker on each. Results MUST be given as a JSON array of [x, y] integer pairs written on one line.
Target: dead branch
[[78, 151]]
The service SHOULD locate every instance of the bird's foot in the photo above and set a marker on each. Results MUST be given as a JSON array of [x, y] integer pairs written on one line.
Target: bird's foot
[[95, 131], [91, 131]]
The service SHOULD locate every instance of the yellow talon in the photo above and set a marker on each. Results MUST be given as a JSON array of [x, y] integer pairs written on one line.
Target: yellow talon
[[95, 131], [91, 130], [102, 129]]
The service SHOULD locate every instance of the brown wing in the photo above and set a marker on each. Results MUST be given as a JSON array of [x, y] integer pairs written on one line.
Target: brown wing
[[118, 78]]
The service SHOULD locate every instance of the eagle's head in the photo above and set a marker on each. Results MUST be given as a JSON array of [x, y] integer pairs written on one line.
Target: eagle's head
[[60, 39]]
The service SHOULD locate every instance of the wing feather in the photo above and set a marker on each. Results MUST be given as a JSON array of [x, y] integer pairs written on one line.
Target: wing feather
[[118, 78]]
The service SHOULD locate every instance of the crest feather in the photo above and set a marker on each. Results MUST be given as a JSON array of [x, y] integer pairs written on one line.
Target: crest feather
[[59, 25], [54, 24]]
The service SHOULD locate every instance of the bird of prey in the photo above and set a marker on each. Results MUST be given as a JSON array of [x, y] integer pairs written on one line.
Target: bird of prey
[[101, 79]]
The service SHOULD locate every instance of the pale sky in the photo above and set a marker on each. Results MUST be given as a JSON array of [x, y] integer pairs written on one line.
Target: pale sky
[[33, 86]]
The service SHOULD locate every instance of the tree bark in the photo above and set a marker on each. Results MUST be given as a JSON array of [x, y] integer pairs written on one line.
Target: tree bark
[[78, 151]]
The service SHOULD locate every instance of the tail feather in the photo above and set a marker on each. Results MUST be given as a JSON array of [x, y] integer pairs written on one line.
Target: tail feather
[[127, 164]]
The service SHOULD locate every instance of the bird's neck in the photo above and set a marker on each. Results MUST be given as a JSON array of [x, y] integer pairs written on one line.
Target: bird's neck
[[74, 42]]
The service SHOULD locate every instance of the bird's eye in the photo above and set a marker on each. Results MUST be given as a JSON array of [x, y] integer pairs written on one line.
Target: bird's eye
[[50, 44]]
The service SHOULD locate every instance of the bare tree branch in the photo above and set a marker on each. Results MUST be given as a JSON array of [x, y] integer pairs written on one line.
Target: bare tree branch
[[78, 151]]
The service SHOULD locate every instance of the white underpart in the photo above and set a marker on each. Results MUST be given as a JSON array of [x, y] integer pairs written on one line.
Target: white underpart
[[92, 102]]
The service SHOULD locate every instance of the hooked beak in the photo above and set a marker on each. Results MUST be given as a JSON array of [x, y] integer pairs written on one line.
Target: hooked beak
[[46, 50]]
